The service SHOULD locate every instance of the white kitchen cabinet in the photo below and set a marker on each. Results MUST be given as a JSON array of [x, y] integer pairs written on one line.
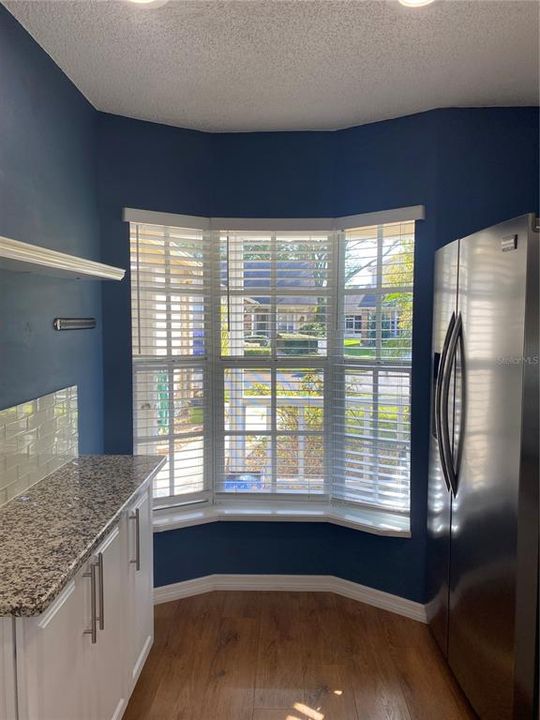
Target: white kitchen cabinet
[[80, 659], [141, 581], [108, 653], [53, 653], [8, 686]]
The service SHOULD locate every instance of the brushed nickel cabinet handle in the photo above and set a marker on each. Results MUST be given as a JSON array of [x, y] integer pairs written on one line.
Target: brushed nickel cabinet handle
[[93, 611], [101, 593], [137, 517]]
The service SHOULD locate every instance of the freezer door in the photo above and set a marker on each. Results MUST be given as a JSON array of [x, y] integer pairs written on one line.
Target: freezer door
[[489, 387], [438, 525]]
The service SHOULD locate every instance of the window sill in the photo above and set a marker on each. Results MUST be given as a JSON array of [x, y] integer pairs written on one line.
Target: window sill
[[377, 522]]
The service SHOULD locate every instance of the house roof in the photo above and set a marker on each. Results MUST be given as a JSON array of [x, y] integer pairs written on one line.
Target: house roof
[[291, 274]]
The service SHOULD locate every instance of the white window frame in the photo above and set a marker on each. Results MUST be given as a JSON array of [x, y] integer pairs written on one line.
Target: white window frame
[[210, 505]]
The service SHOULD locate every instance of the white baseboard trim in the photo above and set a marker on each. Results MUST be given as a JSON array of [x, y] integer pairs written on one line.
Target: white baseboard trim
[[293, 583]]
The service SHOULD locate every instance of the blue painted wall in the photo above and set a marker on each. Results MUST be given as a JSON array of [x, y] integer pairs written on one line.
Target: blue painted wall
[[141, 165], [47, 197], [470, 168]]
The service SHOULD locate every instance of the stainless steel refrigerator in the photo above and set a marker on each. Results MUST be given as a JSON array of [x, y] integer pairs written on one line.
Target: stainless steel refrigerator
[[484, 467]]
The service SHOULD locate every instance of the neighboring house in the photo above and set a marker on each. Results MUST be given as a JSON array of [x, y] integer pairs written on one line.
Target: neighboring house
[[361, 319], [294, 311]]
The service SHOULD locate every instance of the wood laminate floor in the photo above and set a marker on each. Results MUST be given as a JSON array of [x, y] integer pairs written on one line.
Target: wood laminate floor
[[291, 656]]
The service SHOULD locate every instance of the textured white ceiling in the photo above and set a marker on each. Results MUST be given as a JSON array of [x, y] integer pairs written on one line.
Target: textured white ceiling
[[289, 64]]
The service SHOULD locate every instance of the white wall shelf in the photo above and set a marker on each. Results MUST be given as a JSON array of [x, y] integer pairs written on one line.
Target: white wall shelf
[[24, 257]]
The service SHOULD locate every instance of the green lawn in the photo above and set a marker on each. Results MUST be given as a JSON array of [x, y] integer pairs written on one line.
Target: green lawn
[[360, 352], [352, 348]]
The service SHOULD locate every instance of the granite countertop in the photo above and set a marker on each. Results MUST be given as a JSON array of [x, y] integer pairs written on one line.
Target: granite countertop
[[48, 532]]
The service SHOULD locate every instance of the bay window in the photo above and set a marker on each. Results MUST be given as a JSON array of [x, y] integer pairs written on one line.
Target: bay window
[[274, 363]]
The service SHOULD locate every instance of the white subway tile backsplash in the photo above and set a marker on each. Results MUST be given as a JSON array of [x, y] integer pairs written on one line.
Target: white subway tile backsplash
[[16, 428], [36, 438], [7, 416]]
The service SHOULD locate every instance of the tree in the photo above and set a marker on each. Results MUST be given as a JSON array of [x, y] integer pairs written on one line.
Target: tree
[[399, 274], [288, 419]]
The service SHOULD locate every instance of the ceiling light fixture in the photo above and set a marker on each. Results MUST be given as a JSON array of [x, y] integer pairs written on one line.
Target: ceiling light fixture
[[149, 3], [416, 3]]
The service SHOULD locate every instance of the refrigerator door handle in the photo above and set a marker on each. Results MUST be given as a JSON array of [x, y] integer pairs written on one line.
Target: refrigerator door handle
[[462, 415], [438, 399], [445, 393]]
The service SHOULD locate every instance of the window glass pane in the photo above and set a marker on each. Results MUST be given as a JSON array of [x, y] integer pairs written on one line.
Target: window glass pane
[[360, 325], [154, 402], [149, 327], [375, 476], [302, 261], [245, 261], [187, 325], [171, 325], [162, 481], [246, 326], [300, 464], [299, 400], [166, 256], [393, 409], [183, 472], [396, 326], [248, 460], [361, 249], [398, 255], [188, 465], [378, 326], [188, 400], [301, 325], [247, 399]]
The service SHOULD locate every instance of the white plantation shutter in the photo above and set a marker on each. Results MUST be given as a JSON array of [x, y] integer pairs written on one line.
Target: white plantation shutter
[[170, 271], [275, 290], [274, 362], [372, 377]]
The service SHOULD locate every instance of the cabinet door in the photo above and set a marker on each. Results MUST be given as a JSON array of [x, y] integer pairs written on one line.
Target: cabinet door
[[7, 670], [108, 654], [140, 562], [52, 658]]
